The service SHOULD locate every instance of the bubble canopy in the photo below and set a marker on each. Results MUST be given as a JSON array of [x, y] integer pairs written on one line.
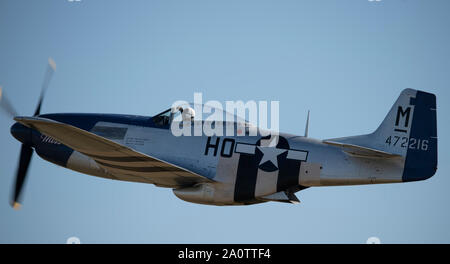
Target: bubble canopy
[[201, 112]]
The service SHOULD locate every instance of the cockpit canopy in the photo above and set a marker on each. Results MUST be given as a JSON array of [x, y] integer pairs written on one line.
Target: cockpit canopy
[[198, 112]]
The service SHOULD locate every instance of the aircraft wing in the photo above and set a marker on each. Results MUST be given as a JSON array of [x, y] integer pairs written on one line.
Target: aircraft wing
[[115, 158], [361, 150]]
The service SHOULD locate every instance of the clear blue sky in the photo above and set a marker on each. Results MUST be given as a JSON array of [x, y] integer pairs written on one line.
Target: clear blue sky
[[347, 61]]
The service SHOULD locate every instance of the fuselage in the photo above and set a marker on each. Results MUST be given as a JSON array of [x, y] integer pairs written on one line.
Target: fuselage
[[241, 167]]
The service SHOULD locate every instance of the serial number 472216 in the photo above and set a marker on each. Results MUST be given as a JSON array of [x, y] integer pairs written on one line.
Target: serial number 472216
[[404, 142]]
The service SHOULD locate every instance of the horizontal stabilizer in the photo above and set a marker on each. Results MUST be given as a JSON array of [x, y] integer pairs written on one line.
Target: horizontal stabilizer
[[361, 151]]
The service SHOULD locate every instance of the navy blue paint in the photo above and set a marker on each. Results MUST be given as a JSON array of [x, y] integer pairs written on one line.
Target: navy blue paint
[[88, 121], [21, 133], [58, 154], [247, 172], [54, 153], [420, 164], [288, 172]]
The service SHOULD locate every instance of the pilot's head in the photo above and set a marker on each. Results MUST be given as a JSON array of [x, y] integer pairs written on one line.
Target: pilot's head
[[187, 113]]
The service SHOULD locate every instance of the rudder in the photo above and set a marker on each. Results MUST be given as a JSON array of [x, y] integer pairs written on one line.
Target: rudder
[[421, 157]]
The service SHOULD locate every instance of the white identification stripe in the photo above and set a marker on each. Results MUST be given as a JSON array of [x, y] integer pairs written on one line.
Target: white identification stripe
[[245, 148], [266, 183], [297, 155]]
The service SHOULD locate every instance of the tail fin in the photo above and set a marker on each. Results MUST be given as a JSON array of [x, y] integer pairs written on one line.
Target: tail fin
[[409, 130]]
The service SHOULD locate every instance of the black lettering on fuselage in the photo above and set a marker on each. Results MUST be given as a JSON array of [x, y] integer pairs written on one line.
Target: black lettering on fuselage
[[213, 146], [226, 150], [230, 150]]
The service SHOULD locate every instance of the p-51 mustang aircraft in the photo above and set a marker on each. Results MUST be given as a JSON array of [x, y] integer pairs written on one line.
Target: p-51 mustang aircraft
[[229, 170]]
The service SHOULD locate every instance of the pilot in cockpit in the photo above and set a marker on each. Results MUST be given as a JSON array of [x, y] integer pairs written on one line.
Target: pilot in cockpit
[[165, 118], [187, 113]]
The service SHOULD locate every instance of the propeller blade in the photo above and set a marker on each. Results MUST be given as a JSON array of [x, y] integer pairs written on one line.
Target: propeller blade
[[6, 105], [48, 76], [25, 156]]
